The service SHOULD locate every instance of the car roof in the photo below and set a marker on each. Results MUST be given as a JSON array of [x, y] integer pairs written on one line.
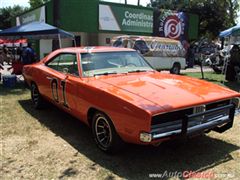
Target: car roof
[[93, 49]]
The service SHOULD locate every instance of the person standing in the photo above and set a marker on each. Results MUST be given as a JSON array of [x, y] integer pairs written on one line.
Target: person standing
[[5, 54], [1, 57], [20, 52], [234, 64], [28, 55]]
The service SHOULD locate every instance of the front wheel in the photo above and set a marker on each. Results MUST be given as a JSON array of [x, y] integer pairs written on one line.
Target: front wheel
[[105, 134], [36, 97], [175, 69]]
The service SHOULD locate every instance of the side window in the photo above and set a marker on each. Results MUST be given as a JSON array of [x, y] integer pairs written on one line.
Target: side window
[[54, 63], [68, 63], [65, 63], [118, 43]]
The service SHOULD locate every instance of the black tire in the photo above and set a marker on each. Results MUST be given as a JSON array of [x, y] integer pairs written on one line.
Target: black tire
[[175, 69], [36, 97], [105, 135]]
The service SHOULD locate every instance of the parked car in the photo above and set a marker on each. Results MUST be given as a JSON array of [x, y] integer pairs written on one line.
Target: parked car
[[161, 53], [122, 99]]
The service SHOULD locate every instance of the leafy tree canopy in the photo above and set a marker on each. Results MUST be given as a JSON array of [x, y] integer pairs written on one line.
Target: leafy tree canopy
[[8, 14], [36, 3]]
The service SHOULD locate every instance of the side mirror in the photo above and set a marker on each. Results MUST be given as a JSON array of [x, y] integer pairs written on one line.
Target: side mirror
[[65, 70]]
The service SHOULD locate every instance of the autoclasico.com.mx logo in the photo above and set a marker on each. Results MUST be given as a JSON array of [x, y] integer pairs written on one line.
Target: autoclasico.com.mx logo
[[191, 174]]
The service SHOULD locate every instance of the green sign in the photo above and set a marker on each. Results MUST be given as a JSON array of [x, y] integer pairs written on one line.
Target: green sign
[[120, 18]]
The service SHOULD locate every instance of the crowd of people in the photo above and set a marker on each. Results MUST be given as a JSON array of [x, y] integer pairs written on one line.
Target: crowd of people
[[17, 58]]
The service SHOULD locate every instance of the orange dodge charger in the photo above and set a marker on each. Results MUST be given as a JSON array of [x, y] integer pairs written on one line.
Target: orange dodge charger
[[118, 94]]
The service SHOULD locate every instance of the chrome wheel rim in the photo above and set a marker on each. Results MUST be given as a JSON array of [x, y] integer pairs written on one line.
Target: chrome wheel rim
[[35, 94], [103, 132]]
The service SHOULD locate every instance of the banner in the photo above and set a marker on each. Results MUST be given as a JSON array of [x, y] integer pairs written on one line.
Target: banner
[[127, 19], [35, 15], [151, 46], [171, 24]]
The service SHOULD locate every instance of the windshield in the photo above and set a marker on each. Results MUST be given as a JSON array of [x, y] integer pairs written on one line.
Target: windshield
[[141, 43], [104, 63]]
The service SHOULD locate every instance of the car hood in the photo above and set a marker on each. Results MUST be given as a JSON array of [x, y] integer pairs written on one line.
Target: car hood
[[157, 92]]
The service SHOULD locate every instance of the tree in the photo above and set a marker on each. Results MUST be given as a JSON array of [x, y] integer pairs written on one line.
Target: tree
[[214, 15], [8, 14], [168, 4], [36, 3], [233, 7]]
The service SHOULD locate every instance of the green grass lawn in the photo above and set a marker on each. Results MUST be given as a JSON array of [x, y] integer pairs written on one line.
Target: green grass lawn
[[216, 78]]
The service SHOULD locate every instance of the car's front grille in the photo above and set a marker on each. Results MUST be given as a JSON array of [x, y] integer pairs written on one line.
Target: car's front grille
[[217, 104], [172, 123], [171, 116], [208, 117]]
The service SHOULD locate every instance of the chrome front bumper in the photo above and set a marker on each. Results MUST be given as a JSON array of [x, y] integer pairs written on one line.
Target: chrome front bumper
[[219, 119]]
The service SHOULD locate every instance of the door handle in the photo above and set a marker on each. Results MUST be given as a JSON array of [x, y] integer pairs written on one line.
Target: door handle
[[49, 78]]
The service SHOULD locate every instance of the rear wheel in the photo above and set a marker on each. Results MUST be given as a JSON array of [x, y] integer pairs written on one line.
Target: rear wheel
[[36, 97], [105, 134], [175, 69]]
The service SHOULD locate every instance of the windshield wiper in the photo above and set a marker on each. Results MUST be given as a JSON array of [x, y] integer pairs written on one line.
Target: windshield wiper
[[105, 73], [138, 71]]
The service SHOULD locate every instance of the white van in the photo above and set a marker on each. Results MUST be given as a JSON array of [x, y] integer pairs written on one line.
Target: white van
[[161, 53]]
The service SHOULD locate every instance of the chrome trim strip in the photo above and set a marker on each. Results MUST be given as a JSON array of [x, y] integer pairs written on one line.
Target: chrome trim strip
[[207, 125], [155, 136]]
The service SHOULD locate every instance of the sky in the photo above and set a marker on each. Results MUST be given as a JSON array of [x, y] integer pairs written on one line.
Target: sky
[[4, 3]]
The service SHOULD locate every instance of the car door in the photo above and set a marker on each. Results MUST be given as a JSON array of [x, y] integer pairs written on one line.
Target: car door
[[48, 71], [63, 71]]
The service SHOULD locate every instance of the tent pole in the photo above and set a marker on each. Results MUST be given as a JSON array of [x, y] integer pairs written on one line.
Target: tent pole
[[59, 40], [75, 44]]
